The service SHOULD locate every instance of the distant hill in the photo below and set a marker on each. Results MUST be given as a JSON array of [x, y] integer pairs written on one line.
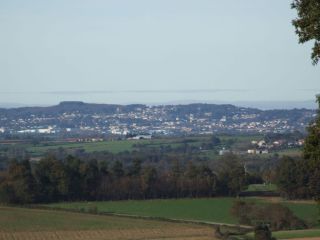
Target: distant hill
[[263, 105], [192, 118]]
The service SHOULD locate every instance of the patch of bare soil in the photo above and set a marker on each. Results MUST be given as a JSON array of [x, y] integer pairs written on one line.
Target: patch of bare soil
[[279, 200], [174, 233]]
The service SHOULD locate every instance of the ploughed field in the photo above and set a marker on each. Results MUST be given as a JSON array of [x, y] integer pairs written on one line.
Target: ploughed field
[[25, 224]]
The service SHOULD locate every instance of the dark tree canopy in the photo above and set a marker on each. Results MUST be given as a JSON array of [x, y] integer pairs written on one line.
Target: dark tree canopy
[[312, 154], [307, 24], [301, 178]]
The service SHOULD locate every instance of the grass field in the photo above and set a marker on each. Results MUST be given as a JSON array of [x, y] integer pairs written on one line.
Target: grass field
[[29, 224], [294, 234], [293, 152], [262, 187], [297, 234], [211, 209], [306, 211], [111, 146], [128, 145]]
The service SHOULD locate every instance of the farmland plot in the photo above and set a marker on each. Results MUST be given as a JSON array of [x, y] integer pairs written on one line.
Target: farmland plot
[[29, 224]]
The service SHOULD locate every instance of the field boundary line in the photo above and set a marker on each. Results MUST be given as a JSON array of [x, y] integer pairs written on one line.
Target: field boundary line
[[239, 227]]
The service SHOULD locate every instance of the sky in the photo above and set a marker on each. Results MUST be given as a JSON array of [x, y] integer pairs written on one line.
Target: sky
[[152, 51]]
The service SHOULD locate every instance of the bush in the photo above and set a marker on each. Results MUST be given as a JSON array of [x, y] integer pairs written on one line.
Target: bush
[[262, 232], [277, 216], [93, 209]]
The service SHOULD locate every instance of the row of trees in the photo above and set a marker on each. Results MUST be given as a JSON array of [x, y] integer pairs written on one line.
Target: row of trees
[[72, 179]]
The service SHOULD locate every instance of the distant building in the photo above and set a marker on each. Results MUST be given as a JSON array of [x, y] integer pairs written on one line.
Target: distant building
[[224, 151], [251, 151], [46, 130], [138, 137], [257, 151], [264, 151], [90, 140], [301, 142], [262, 143]]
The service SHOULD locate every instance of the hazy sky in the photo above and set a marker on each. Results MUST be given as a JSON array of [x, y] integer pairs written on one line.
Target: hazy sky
[[148, 51]]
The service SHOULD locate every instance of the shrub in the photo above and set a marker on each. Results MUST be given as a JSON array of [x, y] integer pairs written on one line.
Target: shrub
[[262, 232], [93, 209], [277, 216]]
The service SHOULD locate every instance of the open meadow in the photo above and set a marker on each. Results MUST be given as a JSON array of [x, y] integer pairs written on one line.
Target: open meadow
[[207, 209], [312, 234], [210, 210], [118, 146], [29, 224], [110, 146]]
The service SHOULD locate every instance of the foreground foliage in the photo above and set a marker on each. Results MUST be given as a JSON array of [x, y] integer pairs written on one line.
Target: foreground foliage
[[308, 24], [277, 216], [262, 232], [300, 179]]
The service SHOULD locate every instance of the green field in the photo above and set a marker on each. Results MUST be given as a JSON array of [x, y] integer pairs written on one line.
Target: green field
[[306, 211], [262, 187], [128, 145], [297, 234], [213, 210], [237, 142], [208, 209], [310, 233], [112, 146], [293, 152]]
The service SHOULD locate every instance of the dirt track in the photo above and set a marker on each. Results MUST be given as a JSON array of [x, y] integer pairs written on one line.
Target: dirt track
[[279, 200]]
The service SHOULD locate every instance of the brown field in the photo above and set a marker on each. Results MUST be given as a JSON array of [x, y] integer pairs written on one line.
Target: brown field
[[35, 224], [281, 200], [121, 234]]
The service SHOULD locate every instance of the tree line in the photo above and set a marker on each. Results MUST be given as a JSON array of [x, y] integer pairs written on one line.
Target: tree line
[[72, 179]]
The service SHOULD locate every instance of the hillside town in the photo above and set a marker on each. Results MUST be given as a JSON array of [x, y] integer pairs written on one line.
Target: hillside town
[[80, 118]]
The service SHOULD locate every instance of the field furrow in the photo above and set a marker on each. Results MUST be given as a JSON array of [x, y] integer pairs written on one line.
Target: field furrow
[[169, 233]]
